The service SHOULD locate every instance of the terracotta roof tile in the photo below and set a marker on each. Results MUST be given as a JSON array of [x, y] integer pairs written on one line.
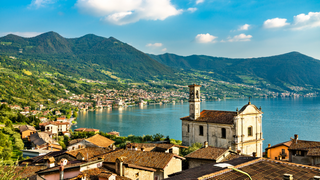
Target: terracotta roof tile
[[287, 143], [26, 127], [270, 169], [210, 153], [24, 172], [100, 141], [194, 173], [89, 152], [141, 158], [303, 145], [74, 141], [221, 117]]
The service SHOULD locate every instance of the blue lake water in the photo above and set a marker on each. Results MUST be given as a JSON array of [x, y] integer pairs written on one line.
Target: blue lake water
[[282, 118]]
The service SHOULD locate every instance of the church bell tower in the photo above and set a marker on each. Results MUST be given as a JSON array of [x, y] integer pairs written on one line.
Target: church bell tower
[[194, 101]]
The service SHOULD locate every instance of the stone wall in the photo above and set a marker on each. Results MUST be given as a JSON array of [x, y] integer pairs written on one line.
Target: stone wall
[[197, 162], [138, 173], [175, 165]]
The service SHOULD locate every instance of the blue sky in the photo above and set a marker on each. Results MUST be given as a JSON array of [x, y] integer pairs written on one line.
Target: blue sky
[[223, 28]]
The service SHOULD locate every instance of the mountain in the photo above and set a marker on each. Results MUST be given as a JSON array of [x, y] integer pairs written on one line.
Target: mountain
[[89, 56], [286, 70]]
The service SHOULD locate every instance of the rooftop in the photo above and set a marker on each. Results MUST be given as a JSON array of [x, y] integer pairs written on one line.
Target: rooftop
[[156, 160], [100, 141], [209, 153]]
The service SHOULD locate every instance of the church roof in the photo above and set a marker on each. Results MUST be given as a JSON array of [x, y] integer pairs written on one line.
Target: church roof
[[212, 116]]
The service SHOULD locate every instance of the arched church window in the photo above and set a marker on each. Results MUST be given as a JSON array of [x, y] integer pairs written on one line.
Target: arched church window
[[197, 94], [250, 131], [223, 133], [188, 128]]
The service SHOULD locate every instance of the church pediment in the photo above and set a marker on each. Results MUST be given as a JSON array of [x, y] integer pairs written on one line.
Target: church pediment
[[250, 109]]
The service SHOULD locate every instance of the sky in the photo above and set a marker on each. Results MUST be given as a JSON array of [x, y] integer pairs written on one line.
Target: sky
[[222, 28]]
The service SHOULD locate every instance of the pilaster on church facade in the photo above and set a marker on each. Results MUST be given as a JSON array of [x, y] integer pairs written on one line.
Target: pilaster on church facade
[[241, 129]]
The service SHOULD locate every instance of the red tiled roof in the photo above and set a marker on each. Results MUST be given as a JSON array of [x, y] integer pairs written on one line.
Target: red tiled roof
[[74, 141], [89, 152], [100, 141], [210, 153], [141, 158], [26, 127], [267, 169], [24, 172], [303, 145], [221, 117], [288, 143]]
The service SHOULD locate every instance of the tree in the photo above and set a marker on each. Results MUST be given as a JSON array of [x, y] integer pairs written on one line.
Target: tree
[[158, 137], [8, 124]]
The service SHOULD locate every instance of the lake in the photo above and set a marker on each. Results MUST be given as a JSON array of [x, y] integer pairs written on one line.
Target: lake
[[282, 118]]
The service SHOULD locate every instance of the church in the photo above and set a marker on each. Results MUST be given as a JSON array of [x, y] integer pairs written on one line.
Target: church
[[240, 130]]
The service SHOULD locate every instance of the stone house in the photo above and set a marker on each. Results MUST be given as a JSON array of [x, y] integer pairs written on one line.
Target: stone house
[[143, 164], [304, 152], [94, 141], [279, 151], [55, 127], [207, 155], [241, 129], [42, 140], [26, 131]]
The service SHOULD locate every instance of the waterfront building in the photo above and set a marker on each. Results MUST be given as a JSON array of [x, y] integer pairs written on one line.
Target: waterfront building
[[241, 129]]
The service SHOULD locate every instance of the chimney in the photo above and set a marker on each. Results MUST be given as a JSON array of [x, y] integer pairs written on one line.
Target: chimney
[[316, 177], [142, 148], [113, 147], [254, 154], [287, 177], [205, 145], [61, 169], [269, 145], [296, 138]]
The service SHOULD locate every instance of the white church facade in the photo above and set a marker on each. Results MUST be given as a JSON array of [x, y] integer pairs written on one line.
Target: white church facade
[[241, 129]]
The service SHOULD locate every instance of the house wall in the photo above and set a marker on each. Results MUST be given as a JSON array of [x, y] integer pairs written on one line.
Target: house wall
[[26, 134], [76, 146], [302, 160], [175, 165], [199, 162], [52, 128], [275, 151], [67, 174], [138, 173]]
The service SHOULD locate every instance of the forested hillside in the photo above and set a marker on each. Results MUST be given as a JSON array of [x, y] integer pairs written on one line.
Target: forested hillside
[[89, 56], [288, 71]]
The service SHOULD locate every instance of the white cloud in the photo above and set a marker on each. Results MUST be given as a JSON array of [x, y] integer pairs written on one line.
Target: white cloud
[[192, 9], [164, 49], [244, 27], [122, 12], [154, 45], [40, 3], [275, 23], [240, 37], [199, 1], [23, 34], [301, 21], [205, 38]]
